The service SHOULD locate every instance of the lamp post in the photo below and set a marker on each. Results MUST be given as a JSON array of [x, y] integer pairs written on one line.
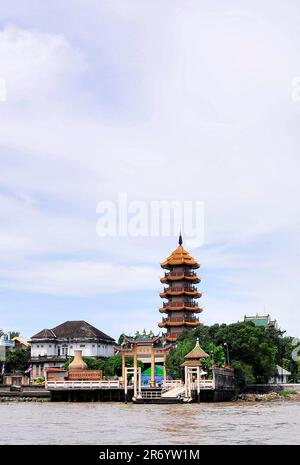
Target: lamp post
[[227, 350]]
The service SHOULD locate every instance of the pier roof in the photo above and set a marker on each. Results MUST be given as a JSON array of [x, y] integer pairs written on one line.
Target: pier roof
[[196, 353]]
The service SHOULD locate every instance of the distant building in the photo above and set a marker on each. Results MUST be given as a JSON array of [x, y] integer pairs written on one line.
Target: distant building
[[20, 343], [18, 378], [282, 376], [262, 320], [52, 347], [6, 342]]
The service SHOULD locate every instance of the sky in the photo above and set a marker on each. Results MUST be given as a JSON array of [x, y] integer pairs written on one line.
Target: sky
[[175, 100]]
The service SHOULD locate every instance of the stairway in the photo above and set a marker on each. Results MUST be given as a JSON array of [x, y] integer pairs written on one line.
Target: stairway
[[176, 392]]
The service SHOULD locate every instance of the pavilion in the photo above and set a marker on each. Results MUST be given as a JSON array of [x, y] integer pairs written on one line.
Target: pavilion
[[146, 348]]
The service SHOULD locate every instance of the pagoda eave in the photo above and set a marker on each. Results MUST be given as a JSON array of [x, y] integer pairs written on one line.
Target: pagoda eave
[[169, 266], [182, 277], [164, 324], [183, 307], [170, 338], [193, 294]]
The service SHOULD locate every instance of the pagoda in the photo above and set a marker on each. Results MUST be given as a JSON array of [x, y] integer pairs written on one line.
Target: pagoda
[[181, 292]]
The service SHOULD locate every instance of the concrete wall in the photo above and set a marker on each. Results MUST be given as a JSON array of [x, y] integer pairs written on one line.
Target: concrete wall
[[294, 387], [265, 388]]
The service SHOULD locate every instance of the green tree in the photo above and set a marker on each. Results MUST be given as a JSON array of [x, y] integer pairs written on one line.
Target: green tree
[[253, 351], [216, 355], [13, 334], [17, 360]]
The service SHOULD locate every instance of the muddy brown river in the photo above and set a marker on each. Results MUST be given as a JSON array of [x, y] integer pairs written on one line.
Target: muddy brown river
[[117, 423]]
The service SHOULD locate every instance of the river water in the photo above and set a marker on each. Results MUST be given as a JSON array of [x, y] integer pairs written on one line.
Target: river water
[[118, 423]]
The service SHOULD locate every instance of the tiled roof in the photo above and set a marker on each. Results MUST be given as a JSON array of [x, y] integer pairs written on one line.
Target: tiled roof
[[73, 329], [21, 341], [196, 353], [180, 257], [44, 334], [191, 363], [141, 339]]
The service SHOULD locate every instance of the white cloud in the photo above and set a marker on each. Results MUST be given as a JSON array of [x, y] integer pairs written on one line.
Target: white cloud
[[78, 278], [214, 122], [35, 64]]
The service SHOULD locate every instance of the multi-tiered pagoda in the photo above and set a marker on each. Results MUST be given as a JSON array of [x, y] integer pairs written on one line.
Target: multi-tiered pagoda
[[180, 293]]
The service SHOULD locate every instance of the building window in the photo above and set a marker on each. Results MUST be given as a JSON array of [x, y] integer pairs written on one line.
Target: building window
[[64, 350], [38, 345], [50, 345], [93, 345], [82, 345]]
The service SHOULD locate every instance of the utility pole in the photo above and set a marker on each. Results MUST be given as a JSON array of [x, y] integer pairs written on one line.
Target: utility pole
[[227, 350]]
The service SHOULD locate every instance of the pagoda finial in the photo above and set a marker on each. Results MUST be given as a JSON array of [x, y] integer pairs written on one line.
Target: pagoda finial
[[197, 342], [180, 239]]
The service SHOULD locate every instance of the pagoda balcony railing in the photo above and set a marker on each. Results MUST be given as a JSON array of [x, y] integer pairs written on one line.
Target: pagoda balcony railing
[[180, 289], [186, 303], [180, 273], [174, 334], [176, 319]]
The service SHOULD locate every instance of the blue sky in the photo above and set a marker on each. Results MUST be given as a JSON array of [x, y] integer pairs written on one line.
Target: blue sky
[[162, 100]]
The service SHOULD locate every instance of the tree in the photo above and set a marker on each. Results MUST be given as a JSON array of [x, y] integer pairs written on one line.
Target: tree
[[254, 351], [216, 355], [13, 334], [17, 360]]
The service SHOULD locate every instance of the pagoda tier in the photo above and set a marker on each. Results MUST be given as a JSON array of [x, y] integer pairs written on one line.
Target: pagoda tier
[[188, 277], [190, 291], [172, 306], [180, 293]]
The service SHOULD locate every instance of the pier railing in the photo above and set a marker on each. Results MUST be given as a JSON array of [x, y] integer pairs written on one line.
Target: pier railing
[[203, 384], [84, 384], [171, 384], [151, 394]]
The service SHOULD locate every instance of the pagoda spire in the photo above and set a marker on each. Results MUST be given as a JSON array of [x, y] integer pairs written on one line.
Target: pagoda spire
[[180, 239]]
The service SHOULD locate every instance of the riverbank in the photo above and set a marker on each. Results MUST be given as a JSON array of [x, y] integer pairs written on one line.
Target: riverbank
[[24, 399], [286, 396], [28, 394]]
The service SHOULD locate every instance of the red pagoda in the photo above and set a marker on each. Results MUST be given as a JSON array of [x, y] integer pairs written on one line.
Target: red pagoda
[[181, 293]]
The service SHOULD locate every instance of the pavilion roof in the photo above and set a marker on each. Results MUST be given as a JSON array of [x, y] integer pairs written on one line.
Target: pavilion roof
[[196, 353], [140, 340], [180, 257], [191, 363]]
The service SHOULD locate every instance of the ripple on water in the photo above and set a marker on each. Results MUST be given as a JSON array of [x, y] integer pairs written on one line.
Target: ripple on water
[[116, 423]]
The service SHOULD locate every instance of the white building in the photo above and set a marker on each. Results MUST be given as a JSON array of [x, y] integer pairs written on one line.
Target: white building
[[6, 342], [282, 376], [52, 347]]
